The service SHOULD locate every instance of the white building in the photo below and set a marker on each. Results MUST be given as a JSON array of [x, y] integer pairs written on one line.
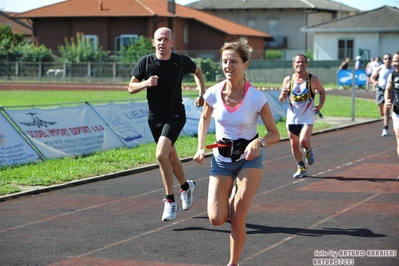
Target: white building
[[368, 34]]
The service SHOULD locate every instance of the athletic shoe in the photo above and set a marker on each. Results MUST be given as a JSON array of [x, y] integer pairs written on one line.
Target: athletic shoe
[[309, 156], [301, 172], [169, 211], [186, 197], [385, 133]]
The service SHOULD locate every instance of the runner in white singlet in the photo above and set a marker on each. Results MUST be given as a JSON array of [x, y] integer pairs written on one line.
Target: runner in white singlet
[[379, 79], [300, 89]]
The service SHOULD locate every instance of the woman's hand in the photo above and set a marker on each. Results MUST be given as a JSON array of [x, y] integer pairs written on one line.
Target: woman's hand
[[199, 156], [253, 150]]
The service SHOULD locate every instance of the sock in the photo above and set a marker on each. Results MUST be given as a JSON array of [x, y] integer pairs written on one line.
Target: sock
[[386, 127], [185, 186], [170, 198], [301, 163]]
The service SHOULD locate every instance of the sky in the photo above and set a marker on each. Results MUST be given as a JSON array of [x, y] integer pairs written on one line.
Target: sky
[[25, 5]]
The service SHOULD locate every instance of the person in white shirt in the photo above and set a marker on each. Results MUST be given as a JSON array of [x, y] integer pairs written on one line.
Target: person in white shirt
[[379, 79]]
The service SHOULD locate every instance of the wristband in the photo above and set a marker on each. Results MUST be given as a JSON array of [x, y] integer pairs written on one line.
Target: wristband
[[263, 142]]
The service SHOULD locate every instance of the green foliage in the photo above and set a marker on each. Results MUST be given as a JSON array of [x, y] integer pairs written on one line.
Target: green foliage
[[9, 43], [31, 53], [136, 50], [208, 68], [309, 54], [81, 50], [273, 54]]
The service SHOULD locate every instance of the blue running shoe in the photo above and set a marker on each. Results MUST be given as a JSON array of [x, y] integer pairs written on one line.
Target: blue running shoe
[[309, 156]]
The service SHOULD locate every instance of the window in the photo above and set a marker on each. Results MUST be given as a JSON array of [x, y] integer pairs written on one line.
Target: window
[[345, 49], [123, 41], [127, 39], [272, 25], [92, 39], [251, 22]]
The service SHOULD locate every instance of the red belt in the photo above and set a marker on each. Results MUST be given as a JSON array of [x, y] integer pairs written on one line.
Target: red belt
[[217, 145]]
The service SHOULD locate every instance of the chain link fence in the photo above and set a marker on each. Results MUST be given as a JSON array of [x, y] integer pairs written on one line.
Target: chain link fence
[[259, 71]]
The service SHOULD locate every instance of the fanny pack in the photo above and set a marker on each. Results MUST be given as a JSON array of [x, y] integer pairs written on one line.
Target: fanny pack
[[231, 148]]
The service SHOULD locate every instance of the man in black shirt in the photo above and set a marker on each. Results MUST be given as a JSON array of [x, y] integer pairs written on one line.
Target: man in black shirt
[[161, 73]]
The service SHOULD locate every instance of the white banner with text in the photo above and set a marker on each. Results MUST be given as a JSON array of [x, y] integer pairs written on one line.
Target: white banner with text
[[65, 131], [13, 147]]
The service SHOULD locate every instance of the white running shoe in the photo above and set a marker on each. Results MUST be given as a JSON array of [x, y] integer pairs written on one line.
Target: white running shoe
[[301, 172], [385, 133], [186, 197], [169, 211]]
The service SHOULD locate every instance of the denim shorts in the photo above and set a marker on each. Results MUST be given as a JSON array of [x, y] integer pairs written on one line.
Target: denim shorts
[[232, 169]]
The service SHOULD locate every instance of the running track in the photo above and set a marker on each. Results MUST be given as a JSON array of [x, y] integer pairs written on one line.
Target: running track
[[350, 201]]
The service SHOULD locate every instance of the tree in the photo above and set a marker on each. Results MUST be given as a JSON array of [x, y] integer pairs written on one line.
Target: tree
[[81, 50], [8, 42], [136, 49], [13, 47]]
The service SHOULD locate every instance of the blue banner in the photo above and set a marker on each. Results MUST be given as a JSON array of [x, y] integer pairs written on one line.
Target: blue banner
[[345, 77]]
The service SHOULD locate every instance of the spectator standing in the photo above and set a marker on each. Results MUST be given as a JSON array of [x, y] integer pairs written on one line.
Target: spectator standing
[[359, 62], [345, 64]]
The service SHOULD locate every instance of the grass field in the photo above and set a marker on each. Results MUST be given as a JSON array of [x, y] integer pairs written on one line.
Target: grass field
[[58, 171]]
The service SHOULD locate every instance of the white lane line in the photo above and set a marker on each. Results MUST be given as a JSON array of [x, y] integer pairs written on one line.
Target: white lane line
[[260, 252]]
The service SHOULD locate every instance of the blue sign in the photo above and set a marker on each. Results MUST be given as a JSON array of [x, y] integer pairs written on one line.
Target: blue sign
[[345, 77]]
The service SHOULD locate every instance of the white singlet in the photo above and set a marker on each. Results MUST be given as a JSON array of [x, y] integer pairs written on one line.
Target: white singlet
[[300, 109]]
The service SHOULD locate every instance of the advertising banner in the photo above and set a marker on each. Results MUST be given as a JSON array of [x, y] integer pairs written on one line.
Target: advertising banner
[[193, 115], [128, 121], [13, 147], [65, 131], [345, 77]]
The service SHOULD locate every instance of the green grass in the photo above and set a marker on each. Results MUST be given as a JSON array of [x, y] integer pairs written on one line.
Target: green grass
[[57, 171]]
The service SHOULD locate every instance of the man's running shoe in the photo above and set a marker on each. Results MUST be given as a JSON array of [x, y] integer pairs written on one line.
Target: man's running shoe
[[186, 197], [301, 172], [385, 133], [169, 211], [309, 156]]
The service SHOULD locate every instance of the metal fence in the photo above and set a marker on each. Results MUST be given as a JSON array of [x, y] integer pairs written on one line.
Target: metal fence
[[259, 71]]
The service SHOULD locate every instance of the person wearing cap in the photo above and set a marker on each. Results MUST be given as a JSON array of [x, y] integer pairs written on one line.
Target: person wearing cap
[[358, 62]]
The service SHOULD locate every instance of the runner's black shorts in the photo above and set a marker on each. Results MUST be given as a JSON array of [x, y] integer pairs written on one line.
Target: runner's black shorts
[[169, 127]]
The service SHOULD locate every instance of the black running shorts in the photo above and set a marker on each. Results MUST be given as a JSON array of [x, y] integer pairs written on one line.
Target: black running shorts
[[169, 127]]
